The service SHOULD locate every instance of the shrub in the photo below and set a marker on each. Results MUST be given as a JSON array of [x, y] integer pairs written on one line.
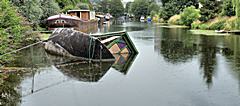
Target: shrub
[[217, 23], [231, 24], [174, 19], [189, 15], [203, 26], [195, 24]]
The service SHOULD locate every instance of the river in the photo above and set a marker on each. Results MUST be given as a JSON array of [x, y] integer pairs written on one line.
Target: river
[[173, 68]]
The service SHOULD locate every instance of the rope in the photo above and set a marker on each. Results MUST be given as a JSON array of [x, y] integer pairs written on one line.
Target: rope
[[89, 49], [94, 45], [21, 49]]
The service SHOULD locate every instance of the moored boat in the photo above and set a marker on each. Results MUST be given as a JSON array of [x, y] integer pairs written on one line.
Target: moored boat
[[81, 20]]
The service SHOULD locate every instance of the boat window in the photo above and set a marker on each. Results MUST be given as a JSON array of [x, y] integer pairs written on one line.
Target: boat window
[[57, 21], [63, 21]]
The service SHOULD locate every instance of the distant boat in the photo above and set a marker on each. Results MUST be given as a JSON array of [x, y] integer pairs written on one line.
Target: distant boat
[[220, 31], [142, 19]]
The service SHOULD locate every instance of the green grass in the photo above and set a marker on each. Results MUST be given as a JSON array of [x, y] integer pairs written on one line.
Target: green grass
[[208, 32]]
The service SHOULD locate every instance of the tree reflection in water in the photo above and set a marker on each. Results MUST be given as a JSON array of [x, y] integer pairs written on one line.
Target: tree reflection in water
[[208, 61], [9, 95], [177, 51]]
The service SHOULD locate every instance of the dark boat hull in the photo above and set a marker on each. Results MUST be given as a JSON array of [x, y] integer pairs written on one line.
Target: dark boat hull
[[67, 42]]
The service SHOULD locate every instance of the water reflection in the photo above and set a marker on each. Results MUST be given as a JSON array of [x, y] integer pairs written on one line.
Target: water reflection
[[9, 95], [208, 51], [178, 46], [173, 66], [84, 71], [123, 62]]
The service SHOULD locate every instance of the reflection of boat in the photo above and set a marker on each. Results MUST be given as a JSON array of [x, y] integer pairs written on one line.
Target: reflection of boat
[[123, 62], [84, 71]]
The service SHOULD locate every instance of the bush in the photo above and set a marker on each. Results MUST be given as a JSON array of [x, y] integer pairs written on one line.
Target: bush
[[217, 23], [231, 24], [174, 19], [195, 24], [204, 26], [189, 15]]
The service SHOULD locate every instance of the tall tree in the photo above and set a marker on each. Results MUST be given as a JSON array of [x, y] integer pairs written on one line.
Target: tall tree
[[139, 8], [210, 9], [173, 7], [49, 7], [236, 5], [116, 8], [127, 8], [227, 8]]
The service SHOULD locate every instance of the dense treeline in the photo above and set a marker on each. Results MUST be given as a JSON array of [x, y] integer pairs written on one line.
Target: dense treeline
[[19, 18], [114, 7], [199, 14], [36, 11], [14, 28]]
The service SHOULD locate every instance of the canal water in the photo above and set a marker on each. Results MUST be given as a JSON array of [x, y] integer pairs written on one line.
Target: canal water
[[173, 68]]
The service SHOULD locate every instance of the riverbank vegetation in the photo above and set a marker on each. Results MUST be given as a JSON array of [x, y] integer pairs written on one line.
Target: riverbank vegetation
[[197, 14], [21, 19]]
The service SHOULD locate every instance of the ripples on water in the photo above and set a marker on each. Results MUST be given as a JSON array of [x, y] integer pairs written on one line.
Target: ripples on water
[[173, 68]]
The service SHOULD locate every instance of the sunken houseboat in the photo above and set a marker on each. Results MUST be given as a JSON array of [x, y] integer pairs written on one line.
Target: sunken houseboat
[[80, 20], [94, 47]]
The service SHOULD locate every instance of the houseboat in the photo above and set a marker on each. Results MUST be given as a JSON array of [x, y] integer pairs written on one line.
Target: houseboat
[[80, 20], [94, 47]]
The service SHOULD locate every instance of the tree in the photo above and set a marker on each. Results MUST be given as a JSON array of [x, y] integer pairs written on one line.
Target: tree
[[49, 7], [173, 7], [31, 9], [128, 6], [116, 8], [139, 8], [153, 7], [210, 9], [227, 8], [104, 6], [236, 6], [189, 15]]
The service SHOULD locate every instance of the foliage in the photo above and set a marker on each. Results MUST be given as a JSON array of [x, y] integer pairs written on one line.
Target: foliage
[[236, 6], [153, 7], [128, 6], [139, 8], [49, 8], [13, 29], [104, 6], [8, 93], [218, 23], [82, 6], [189, 15], [210, 9], [232, 24], [116, 8], [227, 8], [32, 10], [174, 19], [172, 7]]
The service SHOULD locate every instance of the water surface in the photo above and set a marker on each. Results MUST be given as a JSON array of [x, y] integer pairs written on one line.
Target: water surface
[[173, 68]]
